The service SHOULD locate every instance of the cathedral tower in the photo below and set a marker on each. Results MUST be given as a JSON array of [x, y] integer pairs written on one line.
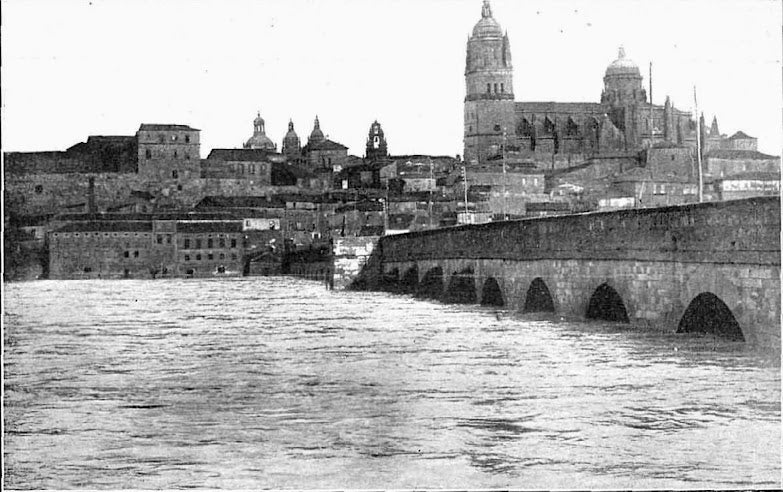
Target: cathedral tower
[[489, 95], [376, 143], [291, 145], [624, 93]]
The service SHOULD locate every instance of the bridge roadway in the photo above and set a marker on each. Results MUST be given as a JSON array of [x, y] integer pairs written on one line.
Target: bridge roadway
[[710, 267]]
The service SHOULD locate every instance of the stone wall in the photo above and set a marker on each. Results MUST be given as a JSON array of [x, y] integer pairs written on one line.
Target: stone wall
[[351, 255]]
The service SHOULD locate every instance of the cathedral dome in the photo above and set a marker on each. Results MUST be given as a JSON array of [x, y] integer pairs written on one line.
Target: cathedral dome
[[487, 27], [622, 65], [259, 140], [316, 135]]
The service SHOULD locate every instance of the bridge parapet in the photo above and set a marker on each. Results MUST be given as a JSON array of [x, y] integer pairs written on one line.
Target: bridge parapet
[[734, 232]]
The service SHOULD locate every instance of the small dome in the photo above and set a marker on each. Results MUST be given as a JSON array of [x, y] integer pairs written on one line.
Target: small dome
[[259, 120], [622, 65], [487, 27]]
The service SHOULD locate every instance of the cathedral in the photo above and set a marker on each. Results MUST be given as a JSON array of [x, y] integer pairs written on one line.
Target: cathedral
[[624, 121]]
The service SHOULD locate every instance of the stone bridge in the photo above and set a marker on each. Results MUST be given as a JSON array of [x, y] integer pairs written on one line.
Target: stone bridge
[[711, 267]]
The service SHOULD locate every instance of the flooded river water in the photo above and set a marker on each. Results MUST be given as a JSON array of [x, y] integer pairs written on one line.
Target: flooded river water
[[269, 382]]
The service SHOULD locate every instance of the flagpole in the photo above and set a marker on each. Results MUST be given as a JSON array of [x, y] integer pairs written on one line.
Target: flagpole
[[698, 146]]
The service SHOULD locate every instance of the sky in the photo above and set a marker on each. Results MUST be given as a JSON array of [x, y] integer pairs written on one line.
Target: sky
[[74, 68]]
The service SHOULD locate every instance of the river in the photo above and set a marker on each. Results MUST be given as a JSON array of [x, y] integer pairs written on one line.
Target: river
[[278, 382]]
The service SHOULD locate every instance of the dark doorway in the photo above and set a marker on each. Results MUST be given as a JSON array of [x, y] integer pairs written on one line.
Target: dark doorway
[[126, 273], [491, 294], [606, 304], [431, 286], [462, 288], [708, 314], [538, 298], [410, 280]]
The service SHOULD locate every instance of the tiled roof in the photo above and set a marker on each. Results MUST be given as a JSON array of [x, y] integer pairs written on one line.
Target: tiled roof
[[154, 127], [242, 155], [738, 154], [206, 227], [325, 144], [751, 175], [740, 135], [107, 226]]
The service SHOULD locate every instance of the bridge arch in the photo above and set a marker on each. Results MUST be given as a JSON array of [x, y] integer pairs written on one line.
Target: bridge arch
[[707, 313], [538, 298], [410, 280], [390, 279], [431, 285], [491, 294], [462, 287], [606, 304]]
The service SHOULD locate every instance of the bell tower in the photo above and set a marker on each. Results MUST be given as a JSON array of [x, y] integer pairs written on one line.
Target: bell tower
[[376, 143], [489, 89]]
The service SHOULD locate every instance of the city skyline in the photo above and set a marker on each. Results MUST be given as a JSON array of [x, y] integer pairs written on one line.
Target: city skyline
[[117, 64]]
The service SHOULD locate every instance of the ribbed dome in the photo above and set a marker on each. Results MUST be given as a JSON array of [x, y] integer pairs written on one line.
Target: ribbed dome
[[622, 65], [316, 135], [260, 141], [487, 27]]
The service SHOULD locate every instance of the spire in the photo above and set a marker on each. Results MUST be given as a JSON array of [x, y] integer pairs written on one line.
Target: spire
[[621, 52], [714, 132], [317, 124], [486, 10], [290, 125]]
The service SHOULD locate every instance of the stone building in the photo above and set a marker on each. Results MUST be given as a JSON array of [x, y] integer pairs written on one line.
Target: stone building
[[259, 140], [169, 152], [495, 122]]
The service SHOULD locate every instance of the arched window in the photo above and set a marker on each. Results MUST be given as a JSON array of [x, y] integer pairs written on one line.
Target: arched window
[[489, 88], [502, 88], [496, 87]]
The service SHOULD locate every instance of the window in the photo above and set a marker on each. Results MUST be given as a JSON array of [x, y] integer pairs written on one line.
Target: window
[[187, 156], [222, 242], [160, 238], [496, 88], [187, 138], [233, 243], [161, 138], [489, 88], [173, 138], [148, 154], [87, 269], [198, 257], [175, 173], [187, 257], [502, 88], [210, 256], [233, 256], [39, 189], [198, 243], [179, 187], [175, 154], [168, 238], [186, 243], [222, 256], [126, 254], [209, 243], [135, 254]]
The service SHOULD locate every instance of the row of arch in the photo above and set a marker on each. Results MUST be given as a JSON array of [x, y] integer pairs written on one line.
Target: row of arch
[[706, 313]]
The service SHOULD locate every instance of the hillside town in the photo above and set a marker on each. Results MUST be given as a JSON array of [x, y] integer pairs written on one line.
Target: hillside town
[[149, 205]]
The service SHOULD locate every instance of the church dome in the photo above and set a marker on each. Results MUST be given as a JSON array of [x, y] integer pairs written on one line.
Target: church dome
[[622, 65], [487, 27], [259, 140], [316, 135]]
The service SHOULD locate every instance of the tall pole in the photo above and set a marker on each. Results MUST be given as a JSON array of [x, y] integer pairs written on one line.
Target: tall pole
[[652, 131], [431, 187], [504, 176], [465, 181], [698, 146]]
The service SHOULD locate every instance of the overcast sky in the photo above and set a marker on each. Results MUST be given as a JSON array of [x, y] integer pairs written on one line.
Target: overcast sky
[[76, 68]]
